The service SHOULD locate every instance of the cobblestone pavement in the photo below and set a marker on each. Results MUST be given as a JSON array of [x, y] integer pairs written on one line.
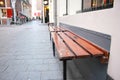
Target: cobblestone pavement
[[26, 54]]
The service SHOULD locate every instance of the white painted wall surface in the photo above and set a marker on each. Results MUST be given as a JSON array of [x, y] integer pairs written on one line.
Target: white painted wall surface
[[38, 4], [34, 7], [105, 21], [51, 11], [73, 6], [62, 7]]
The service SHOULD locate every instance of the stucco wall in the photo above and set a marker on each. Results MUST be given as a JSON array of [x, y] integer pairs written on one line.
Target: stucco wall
[[106, 21]]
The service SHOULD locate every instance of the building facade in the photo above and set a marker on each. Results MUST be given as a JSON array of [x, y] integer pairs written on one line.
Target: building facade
[[6, 12], [23, 10], [17, 11]]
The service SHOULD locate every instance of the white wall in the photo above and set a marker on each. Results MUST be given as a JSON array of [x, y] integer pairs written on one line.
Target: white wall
[[62, 7], [105, 21], [34, 7], [73, 6], [51, 11], [38, 4]]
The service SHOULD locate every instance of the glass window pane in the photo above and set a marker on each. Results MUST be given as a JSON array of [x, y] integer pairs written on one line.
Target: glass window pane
[[91, 5]]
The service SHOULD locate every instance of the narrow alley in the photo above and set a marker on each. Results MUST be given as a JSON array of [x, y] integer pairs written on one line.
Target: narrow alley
[[59, 39]]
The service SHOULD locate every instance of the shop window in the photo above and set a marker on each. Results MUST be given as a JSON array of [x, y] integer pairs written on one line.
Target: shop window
[[4, 12], [4, 21], [91, 5]]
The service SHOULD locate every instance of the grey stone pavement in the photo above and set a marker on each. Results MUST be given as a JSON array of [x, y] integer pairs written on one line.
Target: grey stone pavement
[[26, 54]]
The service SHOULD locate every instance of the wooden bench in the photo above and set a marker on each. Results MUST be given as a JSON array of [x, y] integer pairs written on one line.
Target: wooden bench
[[51, 29], [71, 46]]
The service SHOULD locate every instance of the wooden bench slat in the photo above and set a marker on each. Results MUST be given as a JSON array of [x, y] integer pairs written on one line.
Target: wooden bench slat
[[62, 29], [77, 50], [56, 29], [63, 51], [85, 44]]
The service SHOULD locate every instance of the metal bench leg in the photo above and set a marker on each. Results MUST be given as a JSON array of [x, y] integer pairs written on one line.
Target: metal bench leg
[[64, 69], [53, 45]]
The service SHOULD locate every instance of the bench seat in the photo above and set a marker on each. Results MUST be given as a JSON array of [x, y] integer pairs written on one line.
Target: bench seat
[[63, 50], [75, 45], [85, 45]]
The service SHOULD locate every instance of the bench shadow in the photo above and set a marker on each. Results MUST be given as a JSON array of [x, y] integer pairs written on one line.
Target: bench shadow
[[86, 69]]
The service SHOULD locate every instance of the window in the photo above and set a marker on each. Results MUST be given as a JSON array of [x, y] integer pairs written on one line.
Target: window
[[4, 12], [91, 5]]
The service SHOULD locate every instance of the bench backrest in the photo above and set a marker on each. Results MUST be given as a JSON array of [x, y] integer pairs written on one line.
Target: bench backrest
[[100, 39]]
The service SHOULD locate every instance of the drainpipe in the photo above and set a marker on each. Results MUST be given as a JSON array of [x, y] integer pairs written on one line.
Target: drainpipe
[[43, 14], [66, 7], [14, 11], [55, 13]]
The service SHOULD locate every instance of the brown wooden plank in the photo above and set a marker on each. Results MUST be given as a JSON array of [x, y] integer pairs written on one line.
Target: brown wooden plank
[[62, 29], [57, 29], [78, 51], [85, 44], [63, 51]]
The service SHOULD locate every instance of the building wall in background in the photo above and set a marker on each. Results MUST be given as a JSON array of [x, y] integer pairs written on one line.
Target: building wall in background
[[18, 7], [26, 8], [8, 3], [5, 12], [39, 4]]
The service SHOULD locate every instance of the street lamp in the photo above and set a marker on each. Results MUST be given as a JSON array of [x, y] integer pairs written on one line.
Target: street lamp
[[45, 2], [1, 3]]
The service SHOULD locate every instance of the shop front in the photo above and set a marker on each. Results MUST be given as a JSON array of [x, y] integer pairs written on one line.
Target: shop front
[[5, 16]]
